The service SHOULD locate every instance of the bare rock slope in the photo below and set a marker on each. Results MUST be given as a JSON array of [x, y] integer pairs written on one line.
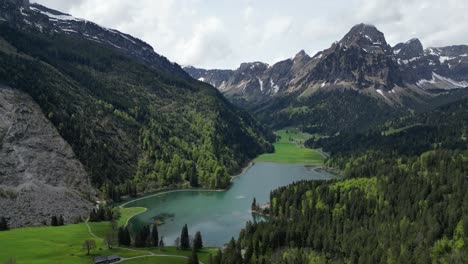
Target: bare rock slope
[[39, 173]]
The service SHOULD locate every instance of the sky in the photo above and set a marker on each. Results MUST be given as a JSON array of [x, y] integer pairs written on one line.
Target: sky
[[222, 34]]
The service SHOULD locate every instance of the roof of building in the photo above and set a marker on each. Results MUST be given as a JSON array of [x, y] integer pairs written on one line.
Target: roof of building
[[113, 257], [99, 259]]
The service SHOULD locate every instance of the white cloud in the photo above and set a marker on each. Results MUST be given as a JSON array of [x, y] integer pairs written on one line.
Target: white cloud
[[222, 34]]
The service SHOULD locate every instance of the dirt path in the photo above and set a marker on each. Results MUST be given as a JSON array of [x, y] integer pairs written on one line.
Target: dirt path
[[147, 253]]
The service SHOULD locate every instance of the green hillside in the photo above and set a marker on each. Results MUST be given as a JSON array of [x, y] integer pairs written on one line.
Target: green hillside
[[127, 121]]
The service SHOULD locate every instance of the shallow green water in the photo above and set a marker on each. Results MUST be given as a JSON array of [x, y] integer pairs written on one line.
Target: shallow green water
[[219, 215]]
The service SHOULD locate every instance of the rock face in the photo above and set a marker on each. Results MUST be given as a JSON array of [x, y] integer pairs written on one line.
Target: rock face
[[39, 173], [361, 60]]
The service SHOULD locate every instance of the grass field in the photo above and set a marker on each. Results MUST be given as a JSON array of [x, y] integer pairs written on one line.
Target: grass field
[[127, 213], [290, 149], [63, 244]]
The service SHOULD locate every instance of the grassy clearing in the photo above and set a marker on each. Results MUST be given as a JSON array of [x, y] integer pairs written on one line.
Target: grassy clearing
[[398, 130], [127, 213], [290, 149], [50, 244], [63, 244]]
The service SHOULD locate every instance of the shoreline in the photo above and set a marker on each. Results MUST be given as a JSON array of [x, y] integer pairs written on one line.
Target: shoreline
[[243, 170], [162, 192]]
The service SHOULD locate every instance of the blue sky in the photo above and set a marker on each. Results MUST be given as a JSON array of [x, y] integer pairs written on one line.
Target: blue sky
[[223, 34]]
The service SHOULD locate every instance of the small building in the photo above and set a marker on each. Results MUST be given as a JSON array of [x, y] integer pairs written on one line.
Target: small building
[[107, 259], [113, 259], [100, 260]]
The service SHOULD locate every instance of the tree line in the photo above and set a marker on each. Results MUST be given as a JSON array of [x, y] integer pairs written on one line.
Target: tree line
[[406, 204]]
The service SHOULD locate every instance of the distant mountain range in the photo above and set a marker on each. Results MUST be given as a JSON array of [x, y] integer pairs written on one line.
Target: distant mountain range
[[395, 79]]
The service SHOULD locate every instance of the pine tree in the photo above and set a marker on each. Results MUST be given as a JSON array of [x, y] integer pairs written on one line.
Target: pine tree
[[184, 238], [155, 235], [193, 259], [54, 221], [93, 216], [161, 244], [121, 236], [127, 238], [3, 224], [254, 205], [61, 221], [197, 242]]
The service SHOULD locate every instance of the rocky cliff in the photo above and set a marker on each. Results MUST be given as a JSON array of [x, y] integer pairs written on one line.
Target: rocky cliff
[[40, 175]]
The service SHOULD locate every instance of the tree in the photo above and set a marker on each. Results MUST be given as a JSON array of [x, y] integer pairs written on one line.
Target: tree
[[124, 236], [155, 235], [11, 261], [54, 221], [193, 259], [127, 238], [161, 243], [110, 239], [120, 236], [197, 242], [61, 221], [254, 206], [3, 224], [177, 242], [142, 237], [184, 238], [89, 245]]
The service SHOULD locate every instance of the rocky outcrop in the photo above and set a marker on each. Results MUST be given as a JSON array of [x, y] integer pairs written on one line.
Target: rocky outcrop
[[39, 173], [361, 60]]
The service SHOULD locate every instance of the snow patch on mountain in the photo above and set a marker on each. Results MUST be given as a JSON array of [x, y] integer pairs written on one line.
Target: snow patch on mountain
[[442, 82], [63, 17]]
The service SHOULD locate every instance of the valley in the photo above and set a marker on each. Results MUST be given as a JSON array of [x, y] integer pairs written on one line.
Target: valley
[[289, 149], [356, 153]]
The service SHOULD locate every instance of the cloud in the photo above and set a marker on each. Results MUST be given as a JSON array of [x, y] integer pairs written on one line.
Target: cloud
[[208, 42], [222, 34]]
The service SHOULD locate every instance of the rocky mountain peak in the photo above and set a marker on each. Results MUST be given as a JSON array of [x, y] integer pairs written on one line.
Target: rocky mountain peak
[[410, 49], [301, 55], [364, 35], [253, 66]]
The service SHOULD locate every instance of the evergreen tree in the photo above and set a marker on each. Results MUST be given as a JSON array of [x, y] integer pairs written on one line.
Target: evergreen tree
[[121, 236], [61, 221], [254, 205], [127, 238], [143, 237], [93, 217], [54, 221], [193, 259], [197, 242], [124, 237], [161, 244], [184, 238], [3, 224], [155, 235]]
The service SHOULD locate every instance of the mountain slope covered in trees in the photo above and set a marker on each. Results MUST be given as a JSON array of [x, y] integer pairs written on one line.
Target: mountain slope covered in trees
[[129, 122], [403, 199]]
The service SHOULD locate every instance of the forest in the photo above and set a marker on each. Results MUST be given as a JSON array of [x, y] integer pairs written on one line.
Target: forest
[[403, 199], [130, 124]]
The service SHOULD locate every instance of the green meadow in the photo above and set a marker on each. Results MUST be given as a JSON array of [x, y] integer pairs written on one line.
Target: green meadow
[[64, 244], [290, 149]]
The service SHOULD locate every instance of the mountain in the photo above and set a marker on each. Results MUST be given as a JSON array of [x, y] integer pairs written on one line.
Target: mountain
[[359, 81], [49, 21], [130, 116]]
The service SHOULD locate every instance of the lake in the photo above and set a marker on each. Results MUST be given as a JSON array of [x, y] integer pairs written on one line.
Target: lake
[[219, 215]]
